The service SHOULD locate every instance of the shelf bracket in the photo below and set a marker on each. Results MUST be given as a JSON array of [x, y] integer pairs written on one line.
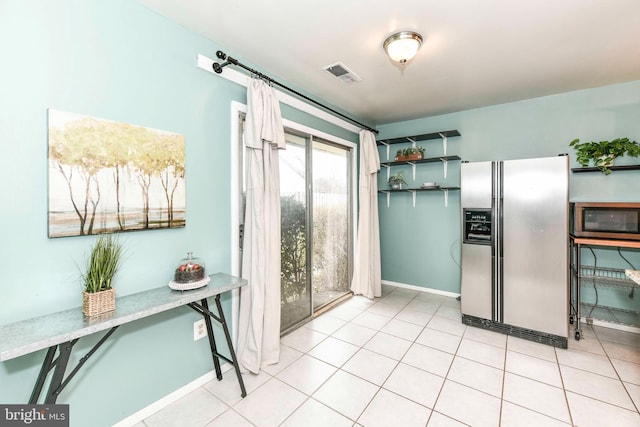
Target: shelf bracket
[[412, 141], [388, 168], [413, 168], [446, 198], [388, 193], [388, 147], [444, 166], [444, 143], [413, 192]]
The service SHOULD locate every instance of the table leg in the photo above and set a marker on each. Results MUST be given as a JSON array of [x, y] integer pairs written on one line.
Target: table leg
[[44, 371], [212, 340], [58, 375], [236, 366], [578, 264]]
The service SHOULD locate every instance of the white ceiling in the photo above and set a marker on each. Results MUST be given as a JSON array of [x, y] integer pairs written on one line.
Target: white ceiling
[[475, 53]]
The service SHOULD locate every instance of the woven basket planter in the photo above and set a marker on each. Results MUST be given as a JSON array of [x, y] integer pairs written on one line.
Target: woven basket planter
[[96, 303]]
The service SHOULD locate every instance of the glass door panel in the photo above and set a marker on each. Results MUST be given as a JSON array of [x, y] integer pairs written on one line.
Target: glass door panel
[[331, 258], [295, 286]]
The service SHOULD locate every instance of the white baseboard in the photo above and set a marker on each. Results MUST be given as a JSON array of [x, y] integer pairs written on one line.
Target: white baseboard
[[137, 417], [420, 289]]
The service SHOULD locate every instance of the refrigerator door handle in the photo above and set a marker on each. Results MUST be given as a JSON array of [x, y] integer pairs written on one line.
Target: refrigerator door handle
[[500, 287], [495, 277]]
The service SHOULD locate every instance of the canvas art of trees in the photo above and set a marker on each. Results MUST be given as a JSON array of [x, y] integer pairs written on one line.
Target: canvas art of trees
[[107, 176]]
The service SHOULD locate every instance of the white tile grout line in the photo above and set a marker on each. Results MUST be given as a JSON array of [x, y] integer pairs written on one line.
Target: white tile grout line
[[174, 396], [626, 389]]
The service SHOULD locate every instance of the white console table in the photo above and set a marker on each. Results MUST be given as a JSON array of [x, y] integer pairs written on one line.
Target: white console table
[[59, 332]]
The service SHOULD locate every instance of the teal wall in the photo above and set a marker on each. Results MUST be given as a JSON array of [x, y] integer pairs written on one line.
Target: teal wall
[[421, 245], [120, 61]]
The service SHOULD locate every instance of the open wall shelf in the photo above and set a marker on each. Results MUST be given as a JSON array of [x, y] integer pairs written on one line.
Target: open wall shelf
[[414, 191], [428, 160], [409, 190], [413, 139], [422, 137], [613, 168]]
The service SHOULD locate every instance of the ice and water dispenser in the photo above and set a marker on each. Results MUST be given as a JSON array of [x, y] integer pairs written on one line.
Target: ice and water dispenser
[[477, 226]]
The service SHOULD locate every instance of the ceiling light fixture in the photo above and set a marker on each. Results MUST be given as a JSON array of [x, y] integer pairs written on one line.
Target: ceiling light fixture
[[402, 46]]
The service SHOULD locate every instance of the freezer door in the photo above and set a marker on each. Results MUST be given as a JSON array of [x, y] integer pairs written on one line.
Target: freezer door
[[476, 284], [475, 185], [476, 259], [535, 244]]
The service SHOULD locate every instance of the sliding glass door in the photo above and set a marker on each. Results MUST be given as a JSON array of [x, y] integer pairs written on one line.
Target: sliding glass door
[[295, 286], [316, 226], [316, 222], [331, 258]]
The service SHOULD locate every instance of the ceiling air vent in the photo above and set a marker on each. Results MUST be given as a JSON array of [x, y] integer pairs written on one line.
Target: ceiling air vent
[[340, 71]]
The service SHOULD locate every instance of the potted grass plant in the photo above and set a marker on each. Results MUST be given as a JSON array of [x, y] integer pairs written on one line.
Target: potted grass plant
[[99, 295]]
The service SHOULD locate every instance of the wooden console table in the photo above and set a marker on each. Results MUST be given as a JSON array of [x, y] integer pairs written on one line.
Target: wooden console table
[[59, 332]]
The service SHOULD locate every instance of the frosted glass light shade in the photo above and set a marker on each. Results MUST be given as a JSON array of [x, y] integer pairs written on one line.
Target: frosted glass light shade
[[403, 46]]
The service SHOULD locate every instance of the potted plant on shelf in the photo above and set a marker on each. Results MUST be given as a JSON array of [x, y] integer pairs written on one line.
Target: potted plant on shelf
[[103, 263], [400, 155], [411, 153], [603, 153], [414, 153], [396, 181]]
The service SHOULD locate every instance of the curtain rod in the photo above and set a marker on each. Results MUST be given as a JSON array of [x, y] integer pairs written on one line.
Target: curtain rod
[[232, 61]]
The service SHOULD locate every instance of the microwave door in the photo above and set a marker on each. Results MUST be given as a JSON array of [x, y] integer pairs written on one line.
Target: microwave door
[[606, 220], [611, 220]]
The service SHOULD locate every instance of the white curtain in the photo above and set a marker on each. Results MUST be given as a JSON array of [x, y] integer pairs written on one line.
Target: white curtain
[[259, 325], [367, 276]]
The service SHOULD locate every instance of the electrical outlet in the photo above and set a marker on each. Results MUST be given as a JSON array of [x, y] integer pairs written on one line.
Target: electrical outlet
[[199, 330]]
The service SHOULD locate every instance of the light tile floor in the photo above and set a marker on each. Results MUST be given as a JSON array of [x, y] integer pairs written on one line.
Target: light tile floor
[[406, 360]]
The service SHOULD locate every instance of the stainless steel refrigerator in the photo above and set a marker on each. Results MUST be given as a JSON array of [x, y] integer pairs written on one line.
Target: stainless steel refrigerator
[[515, 253]]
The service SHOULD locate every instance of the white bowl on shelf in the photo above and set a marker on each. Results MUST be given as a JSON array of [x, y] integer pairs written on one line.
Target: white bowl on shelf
[[429, 184]]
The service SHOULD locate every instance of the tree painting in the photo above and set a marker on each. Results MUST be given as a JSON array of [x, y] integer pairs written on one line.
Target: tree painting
[[107, 177]]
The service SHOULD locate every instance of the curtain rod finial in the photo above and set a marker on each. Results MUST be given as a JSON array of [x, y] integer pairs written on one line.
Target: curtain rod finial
[[221, 55]]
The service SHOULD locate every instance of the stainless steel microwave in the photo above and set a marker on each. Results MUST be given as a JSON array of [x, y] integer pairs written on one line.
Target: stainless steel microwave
[[606, 220]]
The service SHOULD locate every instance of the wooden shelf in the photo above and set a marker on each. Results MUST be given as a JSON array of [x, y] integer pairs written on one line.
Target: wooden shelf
[[606, 242], [416, 138], [427, 160], [613, 168]]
